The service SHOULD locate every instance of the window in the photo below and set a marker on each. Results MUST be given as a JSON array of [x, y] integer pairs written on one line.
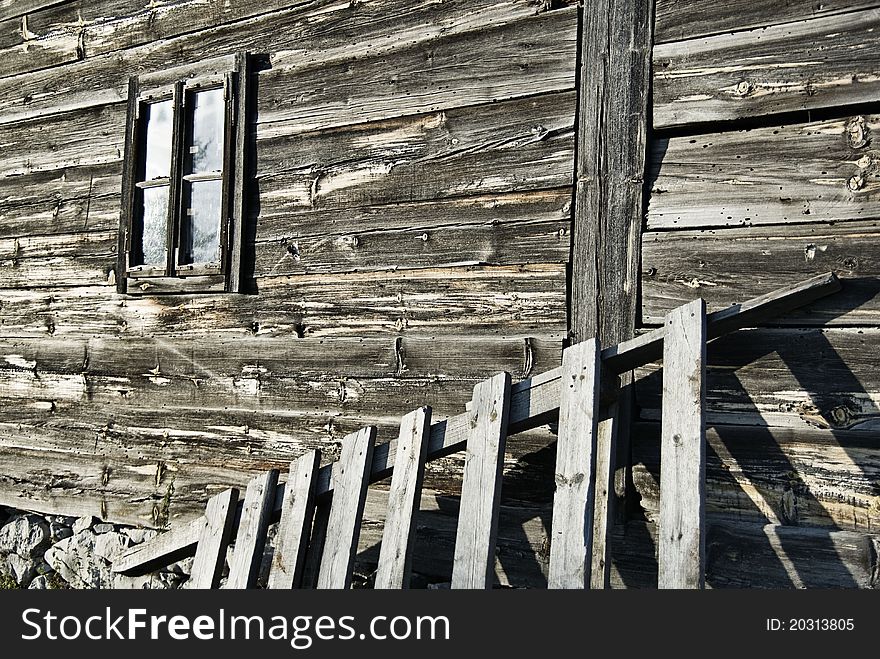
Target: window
[[183, 187]]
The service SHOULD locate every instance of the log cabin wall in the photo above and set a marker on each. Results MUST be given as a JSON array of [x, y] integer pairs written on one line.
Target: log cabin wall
[[409, 236]]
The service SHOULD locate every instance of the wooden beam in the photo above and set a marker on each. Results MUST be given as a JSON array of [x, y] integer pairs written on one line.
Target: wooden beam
[[682, 543], [534, 402], [572, 526], [259, 502], [297, 509], [351, 476], [403, 500], [474, 564]]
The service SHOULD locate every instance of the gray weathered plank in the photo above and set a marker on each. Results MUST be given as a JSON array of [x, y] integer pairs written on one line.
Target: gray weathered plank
[[351, 475], [256, 513], [682, 551], [297, 510], [217, 526], [403, 500], [603, 519], [13, 8], [781, 68], [571, 543], [481, 484], [791, 174]]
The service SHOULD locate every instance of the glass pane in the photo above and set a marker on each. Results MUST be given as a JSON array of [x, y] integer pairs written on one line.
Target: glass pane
[[155, 220], [206, 150], [203, 236], [160, 125]]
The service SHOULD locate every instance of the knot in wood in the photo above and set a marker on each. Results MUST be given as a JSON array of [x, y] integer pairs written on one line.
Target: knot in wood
[[856, 182], [857, 132], [744, 88]]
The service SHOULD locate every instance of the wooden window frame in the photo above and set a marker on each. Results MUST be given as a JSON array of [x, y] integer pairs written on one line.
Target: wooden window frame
[[178, 84]]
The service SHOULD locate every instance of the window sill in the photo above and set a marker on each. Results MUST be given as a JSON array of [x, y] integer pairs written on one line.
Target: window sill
[[169, 285]]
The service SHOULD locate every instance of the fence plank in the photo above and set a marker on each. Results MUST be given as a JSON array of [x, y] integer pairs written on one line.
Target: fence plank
[[681, 557], [297, 509], [403, 498], [256, 514], [213, 541], [481, 484], [572, 527], [351, 475]]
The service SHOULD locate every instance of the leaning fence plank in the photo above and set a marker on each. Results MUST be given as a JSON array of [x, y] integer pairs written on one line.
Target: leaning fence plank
[[211, 550], [481, 484], [572, 527], [534, 401], [256, 513], [403, 498], [681, 557], [606, 458], [297, 508], [351, 475]]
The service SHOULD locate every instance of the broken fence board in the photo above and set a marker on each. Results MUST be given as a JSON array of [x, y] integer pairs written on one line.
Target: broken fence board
[[606, 457], [682, 552], [259, 502], [351, 475], [214, 539], [297, 509], [481, 484], [533, 402], [572, 526], [403, 499]]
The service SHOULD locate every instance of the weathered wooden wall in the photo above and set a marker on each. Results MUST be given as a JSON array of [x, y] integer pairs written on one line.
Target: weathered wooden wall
[[411, 219]]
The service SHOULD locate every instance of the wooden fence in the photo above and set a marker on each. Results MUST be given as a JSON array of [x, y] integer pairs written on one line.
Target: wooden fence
[[319, 509]]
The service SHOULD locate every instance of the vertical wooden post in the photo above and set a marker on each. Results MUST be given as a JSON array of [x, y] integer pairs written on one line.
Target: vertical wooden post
[[259, 501], [572, 526], [683, 449], [615, 81], [403, 498], [211, 551], [351, 475], [481, 486], [297, 509]]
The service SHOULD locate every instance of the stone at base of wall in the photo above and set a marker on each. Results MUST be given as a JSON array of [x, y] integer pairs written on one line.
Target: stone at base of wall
[[52, 551]]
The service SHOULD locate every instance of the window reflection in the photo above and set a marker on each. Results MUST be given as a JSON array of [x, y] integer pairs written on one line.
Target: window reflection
[[204, 221], [155, 216], [206, 149], [160, 123]]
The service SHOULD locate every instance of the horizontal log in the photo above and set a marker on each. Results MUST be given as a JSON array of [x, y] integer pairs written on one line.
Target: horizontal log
[[309, 34], [677, 20], [33, 51], [776, 475], [69, 200], [484, 300], [796, 173], [780, 377], [530, 56], [80, 259], [781, 68], [502, 243], [526, 144], [84, 137], [532, 401], [730, 264], [14, 8]]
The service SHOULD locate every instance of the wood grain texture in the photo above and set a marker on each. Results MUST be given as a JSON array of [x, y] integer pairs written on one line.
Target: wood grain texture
[[781, 68], [611, 148], [571, 544], [607, 439], [522, 300], [351, 477], [57, 260], [727, 265], [681, 552], [210, 556], [393, 570], [678, 20], [13, 8], [250, 539], [795, 173], [481, 484], [297, 510], [792, 476]]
